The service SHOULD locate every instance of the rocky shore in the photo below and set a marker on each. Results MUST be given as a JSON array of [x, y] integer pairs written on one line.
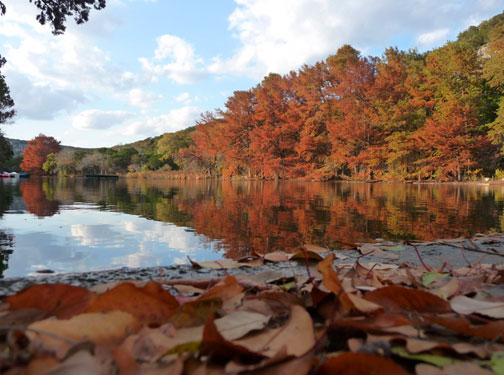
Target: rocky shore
[[450, 253]]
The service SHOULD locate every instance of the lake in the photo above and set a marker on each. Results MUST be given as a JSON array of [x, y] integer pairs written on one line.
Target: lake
[[69, 225]]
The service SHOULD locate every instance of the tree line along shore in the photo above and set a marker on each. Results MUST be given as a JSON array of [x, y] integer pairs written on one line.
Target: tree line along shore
[[437, 115]]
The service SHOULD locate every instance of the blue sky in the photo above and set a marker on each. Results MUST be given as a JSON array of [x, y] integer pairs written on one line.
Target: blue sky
[[140, 68]]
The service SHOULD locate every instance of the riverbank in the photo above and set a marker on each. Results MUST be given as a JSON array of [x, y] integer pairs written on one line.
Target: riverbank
[[444, 253]]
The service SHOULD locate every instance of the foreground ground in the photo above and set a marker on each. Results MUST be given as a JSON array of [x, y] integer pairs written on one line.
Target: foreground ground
[[430, 308]]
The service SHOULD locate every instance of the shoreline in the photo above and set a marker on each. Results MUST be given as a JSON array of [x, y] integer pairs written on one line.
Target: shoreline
[[448, 253]]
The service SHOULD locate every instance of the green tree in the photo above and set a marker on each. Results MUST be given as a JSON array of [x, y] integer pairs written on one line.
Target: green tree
[[56, 12], [50, 164], [6, 114]]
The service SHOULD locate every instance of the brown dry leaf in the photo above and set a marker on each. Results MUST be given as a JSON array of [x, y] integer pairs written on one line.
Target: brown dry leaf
[[363, 305], [377, 251], [463, 368], [125, 362], [215, 345], [58, 336], [415, 346], [377, 324], [301, 254], [465, 306], [188, 289], [490, 331], [83, 362], [287, 337], [175, 367], [448, 290], [315, 248], [149, 344], [360, 363], [60, 300], [276, 256], [331, 281], [21, 317], [225, 289], [149, 305], [238, 323], [288, 366], [41, 365], [102, 288], [396, 299]]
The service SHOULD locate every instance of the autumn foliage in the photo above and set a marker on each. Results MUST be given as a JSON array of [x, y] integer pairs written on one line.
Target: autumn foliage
[[350, 319], [36, 153], [437, 115]]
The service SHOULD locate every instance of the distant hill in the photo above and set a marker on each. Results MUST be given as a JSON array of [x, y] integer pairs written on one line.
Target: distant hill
[[18, 146]]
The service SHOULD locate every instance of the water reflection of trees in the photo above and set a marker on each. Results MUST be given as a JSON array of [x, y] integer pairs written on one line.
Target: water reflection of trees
[[38, 196], [273, 215]]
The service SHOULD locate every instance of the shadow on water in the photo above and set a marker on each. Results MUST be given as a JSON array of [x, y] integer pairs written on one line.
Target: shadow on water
[[237, 216]]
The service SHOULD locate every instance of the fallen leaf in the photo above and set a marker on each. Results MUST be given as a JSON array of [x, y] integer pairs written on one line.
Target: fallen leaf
[[41, 365], [359, 363], [377, 251], [54, 335], [287, 337], [433, 359], [216, 346], [448, 290], [102, 288], [149, 305], [287, 366], [237, 324], [149, 345], [331, 281], [465, 306], [315, 248], [396, 299], [188, 289], [83, 363], [60, 300], [490, 331], [462, 368], [429, 277]]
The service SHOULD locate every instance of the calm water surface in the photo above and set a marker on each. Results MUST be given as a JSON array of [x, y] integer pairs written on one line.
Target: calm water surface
[[70, 225]]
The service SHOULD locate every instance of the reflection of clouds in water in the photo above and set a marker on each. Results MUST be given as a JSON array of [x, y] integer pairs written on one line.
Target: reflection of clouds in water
[[142, 258], [175, 237], [82, 240], [91, 235], [35, 251]]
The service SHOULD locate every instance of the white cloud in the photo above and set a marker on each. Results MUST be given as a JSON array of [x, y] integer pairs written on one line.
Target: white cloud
[[138, 97], [185, 98], [98, 119], [172, 121], [278, 38], [41, 101], [69, 60], [433, 38], [183, 66]]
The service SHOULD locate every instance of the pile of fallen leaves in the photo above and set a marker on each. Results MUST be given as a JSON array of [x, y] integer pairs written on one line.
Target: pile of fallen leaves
[[348, 319]]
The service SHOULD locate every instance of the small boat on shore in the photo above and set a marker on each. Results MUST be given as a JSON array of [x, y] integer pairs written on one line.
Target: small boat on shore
[[24, 175]]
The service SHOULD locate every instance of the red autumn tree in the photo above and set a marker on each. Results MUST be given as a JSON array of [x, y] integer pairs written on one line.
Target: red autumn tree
[[238, 117], [36, 153], [350, 129], [276, 132]]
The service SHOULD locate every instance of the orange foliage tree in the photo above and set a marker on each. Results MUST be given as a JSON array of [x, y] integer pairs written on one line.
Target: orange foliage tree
[[36, 153]]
